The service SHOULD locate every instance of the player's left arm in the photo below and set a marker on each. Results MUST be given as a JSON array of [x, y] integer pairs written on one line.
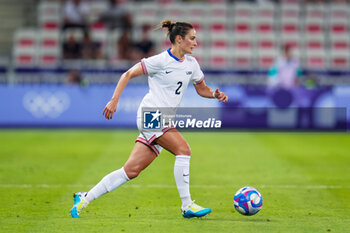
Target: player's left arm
[[205, 91]]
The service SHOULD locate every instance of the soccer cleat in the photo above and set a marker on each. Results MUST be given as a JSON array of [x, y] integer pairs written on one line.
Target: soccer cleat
[[79, 204], [194, 210]]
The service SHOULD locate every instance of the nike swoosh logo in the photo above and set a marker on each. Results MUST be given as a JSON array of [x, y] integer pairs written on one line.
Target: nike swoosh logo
[[186, 174], [168, 72]]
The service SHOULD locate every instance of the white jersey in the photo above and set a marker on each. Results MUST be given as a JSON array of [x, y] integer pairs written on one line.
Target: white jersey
[[168, 78]]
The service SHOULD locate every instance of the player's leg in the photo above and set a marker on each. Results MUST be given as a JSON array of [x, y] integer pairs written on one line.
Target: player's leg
[[141, 156], [175, 143]]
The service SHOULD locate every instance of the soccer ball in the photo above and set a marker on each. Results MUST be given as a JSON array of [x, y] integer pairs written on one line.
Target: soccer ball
[[248, 201]]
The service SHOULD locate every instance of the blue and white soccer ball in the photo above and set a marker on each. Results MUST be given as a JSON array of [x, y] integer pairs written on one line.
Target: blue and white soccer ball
[[248, 201]]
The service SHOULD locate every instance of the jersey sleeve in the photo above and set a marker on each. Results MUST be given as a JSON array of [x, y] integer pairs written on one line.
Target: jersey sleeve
[[197, 75], [152, 65]]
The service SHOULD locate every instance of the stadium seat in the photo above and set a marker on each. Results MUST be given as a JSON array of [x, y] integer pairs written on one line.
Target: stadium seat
[[316, 59], [218, 25], [147, 13], [265, 26], [24, 57], [292, 40], [338, 11], [315, 11], [314, 43], [266, 57], [196, 10], [218, 58], [49, 14], [340, 43], [338, 26], [242, 60], [26, 38], [212, 2], [219, 41], [314, 28], [166, 2], [98, 26], [289, 10], [50, 25], [267, 41], [49, 39], [25, 47], [290, 26], [242, 51], [339, 52], [243, 10], [49, 58], [339, 60], [174, 12], [242, 27], [217, 11], [240, 33], [265, 11]]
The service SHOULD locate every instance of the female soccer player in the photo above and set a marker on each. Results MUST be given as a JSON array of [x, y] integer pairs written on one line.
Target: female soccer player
[[168, 76]]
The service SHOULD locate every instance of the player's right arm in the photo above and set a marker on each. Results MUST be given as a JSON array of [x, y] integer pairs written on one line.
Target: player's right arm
[[111, 106]]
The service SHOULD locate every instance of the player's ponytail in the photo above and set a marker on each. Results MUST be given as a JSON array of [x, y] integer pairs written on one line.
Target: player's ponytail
[[167, 24], [175, 28]]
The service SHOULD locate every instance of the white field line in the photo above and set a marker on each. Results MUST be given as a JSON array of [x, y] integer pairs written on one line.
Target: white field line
[[168, 186]]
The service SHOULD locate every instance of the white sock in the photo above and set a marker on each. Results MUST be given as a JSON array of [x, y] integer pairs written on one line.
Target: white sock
[[182, 178], [110, 182]]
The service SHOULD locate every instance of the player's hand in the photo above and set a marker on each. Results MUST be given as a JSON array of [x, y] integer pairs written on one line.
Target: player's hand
[[110, 109], [221, 96]]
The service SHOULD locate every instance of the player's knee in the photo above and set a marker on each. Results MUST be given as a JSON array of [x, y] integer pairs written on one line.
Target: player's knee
[[132, 172]]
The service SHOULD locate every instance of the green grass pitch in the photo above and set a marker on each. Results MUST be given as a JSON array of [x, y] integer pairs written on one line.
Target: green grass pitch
[[304, 179]]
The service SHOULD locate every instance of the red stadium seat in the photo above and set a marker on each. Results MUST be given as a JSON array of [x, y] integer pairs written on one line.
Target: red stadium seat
[[218, 58], [25, 60], [340, 62], [26, 38], [50, 25], [265, 11], [290, 10], [49, 40], [243, 10], [316, 59], [48, 60]]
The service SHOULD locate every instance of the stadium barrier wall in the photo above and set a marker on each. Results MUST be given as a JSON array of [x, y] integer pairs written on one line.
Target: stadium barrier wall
[[249, 107]]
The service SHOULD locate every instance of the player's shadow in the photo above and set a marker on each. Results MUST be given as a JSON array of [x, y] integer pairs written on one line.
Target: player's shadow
[[235, 218], [244, 219]]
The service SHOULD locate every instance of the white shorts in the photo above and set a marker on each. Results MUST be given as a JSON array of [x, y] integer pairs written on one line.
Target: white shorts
[[148, 137]]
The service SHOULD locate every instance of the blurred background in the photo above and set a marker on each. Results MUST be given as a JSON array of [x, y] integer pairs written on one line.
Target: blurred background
[[284, 64]]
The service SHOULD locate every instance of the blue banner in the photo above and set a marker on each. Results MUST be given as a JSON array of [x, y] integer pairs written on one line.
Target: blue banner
[[52, 105], [249, 107]]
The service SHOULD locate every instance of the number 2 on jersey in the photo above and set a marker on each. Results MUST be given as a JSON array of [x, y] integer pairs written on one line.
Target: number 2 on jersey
[[177, 92]]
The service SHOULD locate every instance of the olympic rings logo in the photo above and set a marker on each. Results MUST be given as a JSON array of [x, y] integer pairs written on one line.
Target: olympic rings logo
[[46, 104]]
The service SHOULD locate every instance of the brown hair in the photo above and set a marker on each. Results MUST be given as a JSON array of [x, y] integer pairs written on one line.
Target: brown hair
[[176, 28]]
